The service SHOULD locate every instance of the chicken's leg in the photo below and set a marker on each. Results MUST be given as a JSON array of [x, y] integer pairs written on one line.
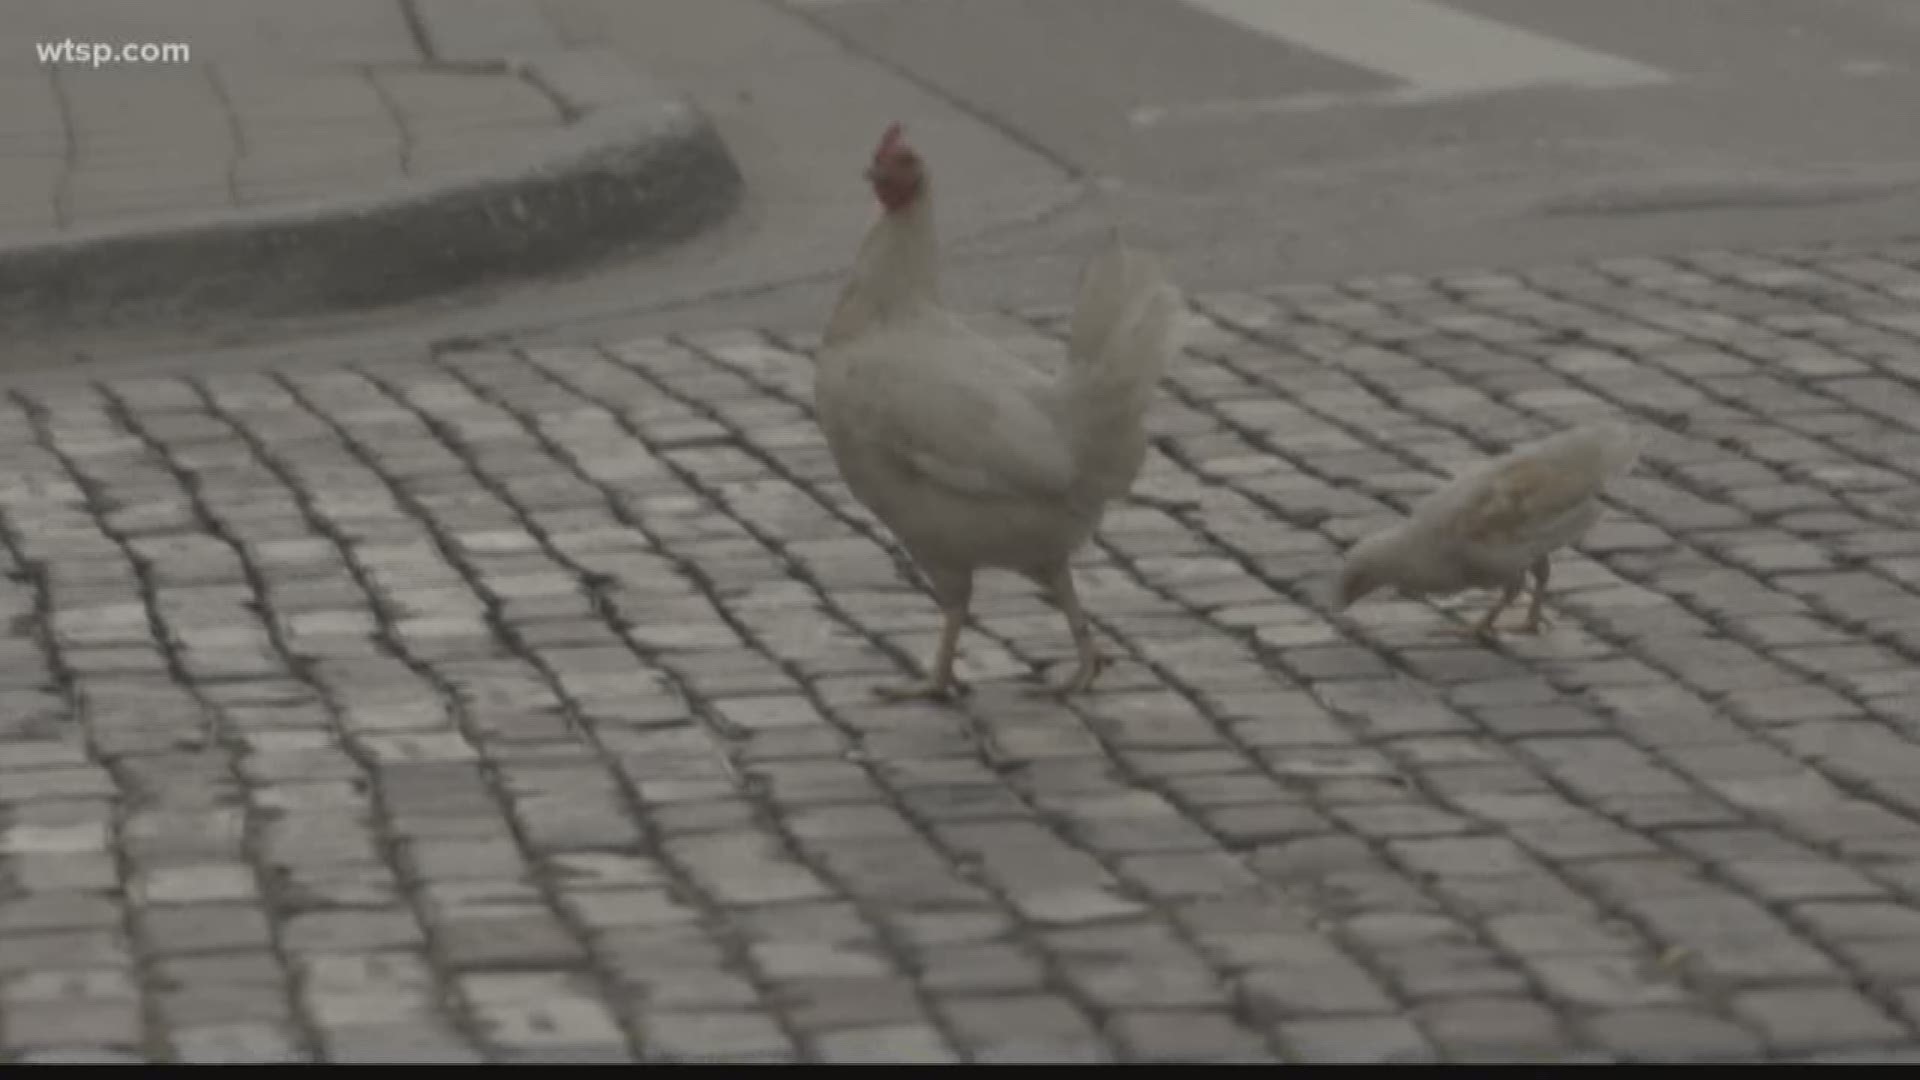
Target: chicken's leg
[[940, 685], [954, 593], [1059, 585], [1484, 629], [1537, 619]]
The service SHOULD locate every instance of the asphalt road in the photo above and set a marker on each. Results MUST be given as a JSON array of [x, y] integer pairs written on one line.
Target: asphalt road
[[1253, 142]]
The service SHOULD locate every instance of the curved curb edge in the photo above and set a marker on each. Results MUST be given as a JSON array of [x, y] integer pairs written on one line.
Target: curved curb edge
[[623, 177]]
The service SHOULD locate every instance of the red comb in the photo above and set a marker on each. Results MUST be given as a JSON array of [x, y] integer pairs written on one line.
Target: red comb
[[889, 141]]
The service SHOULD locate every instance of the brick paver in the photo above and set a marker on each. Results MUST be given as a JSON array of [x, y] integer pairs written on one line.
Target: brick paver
[[515, 707]]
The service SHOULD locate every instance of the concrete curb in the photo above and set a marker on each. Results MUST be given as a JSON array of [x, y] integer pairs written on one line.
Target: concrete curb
[[638, 168]]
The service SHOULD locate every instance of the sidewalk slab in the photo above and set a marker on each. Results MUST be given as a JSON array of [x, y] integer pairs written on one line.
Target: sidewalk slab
[[485, 29], [337, 31], [310, 158]]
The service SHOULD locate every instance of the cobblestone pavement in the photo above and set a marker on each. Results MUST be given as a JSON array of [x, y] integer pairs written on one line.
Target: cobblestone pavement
[[515, 707]]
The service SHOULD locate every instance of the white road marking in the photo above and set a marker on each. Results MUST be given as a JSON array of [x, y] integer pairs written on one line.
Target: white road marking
[[1428, 46], [1433, 51]]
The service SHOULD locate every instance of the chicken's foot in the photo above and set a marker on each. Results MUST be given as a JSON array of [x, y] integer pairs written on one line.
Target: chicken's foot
[[1484, 630], [1080, 681], [1092, 662], [924, 690], [940, 685]]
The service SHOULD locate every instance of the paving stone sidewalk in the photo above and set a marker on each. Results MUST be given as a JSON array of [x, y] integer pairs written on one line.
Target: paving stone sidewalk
[[278, 102], [515, 707], [288, 158]]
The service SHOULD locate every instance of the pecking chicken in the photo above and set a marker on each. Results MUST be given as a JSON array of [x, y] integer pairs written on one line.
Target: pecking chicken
[[971, 457], [1491, 526]]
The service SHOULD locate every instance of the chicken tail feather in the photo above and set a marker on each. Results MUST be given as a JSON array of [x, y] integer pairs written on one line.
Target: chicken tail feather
[[1597, 451], [1126, 328], [1620, 446]]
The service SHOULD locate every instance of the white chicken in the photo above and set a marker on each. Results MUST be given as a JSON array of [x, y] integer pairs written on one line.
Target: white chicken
[[1490, 526], [970, 456]]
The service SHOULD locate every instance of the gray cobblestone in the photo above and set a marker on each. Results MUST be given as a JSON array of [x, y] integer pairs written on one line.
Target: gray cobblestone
[[396, 1044], [233, 1043], [819, 1004], [564, 1026], [49, 1025], [1357, 1040], [193, 1004], [1735, 940], [204, 928], [1812, 1018], [1024, 1028], [890, 1044], [547, 734], [1327, 984], [1449, 970], [1860, 922], [1671, 1035], [1187, 1036], [1494, 1029], [352, 930], [519, 935], [712, 1035]]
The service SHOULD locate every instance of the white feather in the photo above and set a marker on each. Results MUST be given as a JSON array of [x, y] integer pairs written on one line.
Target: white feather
[[1489, 524]]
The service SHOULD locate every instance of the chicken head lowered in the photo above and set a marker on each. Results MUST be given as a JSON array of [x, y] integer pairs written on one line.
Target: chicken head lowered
[[1492, 525], [970, 456]]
